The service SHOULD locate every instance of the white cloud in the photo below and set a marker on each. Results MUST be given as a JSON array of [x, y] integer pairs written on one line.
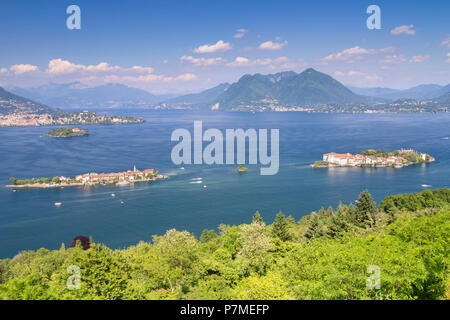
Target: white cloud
[[448, 56], [240, 62], [278, 63], [23, 68], [219, 46], [418, 59], [356, 76], [60, 67], [396, 59], [446, 42], [270, 45], [3, 70], [355, 73], [354, 53], [404, 29], [240, 33], [203, 62]]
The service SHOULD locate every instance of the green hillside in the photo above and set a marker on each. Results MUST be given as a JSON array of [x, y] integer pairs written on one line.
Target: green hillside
[[309, 88], [329, 254]]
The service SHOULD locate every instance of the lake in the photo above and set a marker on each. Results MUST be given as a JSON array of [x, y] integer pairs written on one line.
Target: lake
[[30, 220]]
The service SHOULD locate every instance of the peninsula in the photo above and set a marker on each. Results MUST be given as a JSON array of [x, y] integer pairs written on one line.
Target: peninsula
[[90, 179], [67, 132], [374, 158]]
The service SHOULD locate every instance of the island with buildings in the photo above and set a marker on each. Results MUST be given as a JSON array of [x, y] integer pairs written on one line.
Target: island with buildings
[[67, 132], [90, 179], [374, 158]]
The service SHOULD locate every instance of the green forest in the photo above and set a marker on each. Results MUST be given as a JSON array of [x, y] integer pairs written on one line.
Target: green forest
[[328, 254]]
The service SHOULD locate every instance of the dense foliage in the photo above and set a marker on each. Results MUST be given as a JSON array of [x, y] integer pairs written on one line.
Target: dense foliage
[[67, 132], [326, 255]]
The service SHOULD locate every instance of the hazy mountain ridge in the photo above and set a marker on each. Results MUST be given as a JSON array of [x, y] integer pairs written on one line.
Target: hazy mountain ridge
[[11, 103], [75, 95], [420, 92], [200, 98]]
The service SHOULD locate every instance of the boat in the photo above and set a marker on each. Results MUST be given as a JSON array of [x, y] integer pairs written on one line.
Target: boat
[[57, 204], [113, 195], [204, 186], [426, 186], [182, 168], [122, 183], [121, 202]]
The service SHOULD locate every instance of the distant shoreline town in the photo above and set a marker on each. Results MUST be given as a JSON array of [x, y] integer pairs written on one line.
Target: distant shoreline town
[[374, 158], [21, 119], [90, 179]]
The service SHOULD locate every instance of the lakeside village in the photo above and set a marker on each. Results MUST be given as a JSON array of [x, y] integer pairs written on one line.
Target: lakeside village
[[374, 158], [90, 179]]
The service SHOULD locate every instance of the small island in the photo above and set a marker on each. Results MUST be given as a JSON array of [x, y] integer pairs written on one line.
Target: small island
[[374, 158], [67, 132], [241, 168], [90, 179]]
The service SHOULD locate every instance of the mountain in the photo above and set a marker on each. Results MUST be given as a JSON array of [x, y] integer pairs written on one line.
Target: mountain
[[287, 89], [201, 98], [14, 104], [75, 95], [420, 92], [373, 92]]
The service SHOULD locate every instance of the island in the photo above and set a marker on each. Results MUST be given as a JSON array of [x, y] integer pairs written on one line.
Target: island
[[67, 132], [90, 179], [374, 158], [241, 168]]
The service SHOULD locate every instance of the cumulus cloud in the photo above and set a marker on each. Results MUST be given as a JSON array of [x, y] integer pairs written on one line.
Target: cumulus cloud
[[446, 42], [354, 53], [217, 47], [240, 33], [202, 62], [270, 45], [395, 59], [418, 59], [60, 66], [356, 76], [404, 29], [23, 68], [278, 63], [239, 62]]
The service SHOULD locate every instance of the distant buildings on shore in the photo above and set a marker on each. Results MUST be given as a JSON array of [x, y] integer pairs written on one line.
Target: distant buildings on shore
[[130, 175], [349, 159]]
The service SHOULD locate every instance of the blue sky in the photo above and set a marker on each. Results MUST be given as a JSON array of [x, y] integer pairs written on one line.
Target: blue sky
[[186, 46]]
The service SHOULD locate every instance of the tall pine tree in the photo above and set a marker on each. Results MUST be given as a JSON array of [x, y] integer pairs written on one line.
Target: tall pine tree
[[280, 228], [365, 210]]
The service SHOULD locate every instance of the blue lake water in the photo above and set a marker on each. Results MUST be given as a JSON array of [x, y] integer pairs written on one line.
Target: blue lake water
[[29, 219]]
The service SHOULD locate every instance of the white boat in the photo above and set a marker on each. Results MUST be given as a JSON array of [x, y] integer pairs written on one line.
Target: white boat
[[182, 168], [113, 195], [58, 204], [204, 186], [197, 181], [426, 186], [122, 183], [121, 202]]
